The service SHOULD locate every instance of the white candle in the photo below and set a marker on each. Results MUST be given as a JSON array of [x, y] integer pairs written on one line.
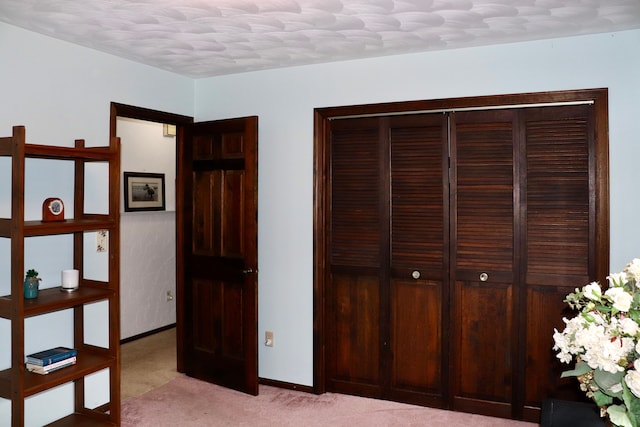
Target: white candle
[[70, 279]]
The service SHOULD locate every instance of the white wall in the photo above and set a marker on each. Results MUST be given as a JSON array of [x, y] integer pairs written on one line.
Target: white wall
[[61, 92], [147, 239], [144, 148], [284, 101]]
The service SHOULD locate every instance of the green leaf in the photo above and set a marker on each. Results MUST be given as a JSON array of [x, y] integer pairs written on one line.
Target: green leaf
[[633, 405], [606, 381], [604, 309], [618, 416], [635, 314], [602, 399], [580, 369]]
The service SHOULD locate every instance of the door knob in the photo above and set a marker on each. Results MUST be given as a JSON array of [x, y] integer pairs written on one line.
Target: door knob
[[484, 277], [247, 271], [415, 274]]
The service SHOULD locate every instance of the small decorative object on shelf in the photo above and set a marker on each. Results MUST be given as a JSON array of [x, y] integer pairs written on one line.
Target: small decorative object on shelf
[[44, 362], [70, 280], [53, 209], [604, 339], [44, 370], [31, 284]]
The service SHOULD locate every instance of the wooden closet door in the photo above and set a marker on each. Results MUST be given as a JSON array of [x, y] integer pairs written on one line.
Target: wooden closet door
[[523, 237], [357, 236], [524, 221], [482, 261], [418, 259], [388, 259], [559, 238]]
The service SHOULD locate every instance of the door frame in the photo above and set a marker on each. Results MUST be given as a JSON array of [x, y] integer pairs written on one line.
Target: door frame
[[180, 121], [322, 168]]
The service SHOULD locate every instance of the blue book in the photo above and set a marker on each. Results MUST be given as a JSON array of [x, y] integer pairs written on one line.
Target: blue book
[[53, 355]]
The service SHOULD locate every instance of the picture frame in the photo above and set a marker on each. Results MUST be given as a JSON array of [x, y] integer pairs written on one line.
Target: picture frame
[[144, 192]]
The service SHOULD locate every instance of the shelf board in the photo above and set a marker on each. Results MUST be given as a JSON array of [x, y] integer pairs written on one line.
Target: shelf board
[[54, 299], [95, 222], [5, 308], [69, 153], [80, 420], [5, 384], [87, 363], [5, 227], [6, 146], [39, 228]]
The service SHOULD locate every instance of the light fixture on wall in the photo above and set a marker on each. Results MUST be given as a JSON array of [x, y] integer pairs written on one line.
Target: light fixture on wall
[[168, 130]]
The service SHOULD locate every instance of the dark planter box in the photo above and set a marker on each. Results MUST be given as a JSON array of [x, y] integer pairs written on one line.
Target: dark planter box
[[563, 413]]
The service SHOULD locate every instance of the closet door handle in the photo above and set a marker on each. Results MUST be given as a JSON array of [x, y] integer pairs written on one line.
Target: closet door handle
[[415, 274], [484, 277]]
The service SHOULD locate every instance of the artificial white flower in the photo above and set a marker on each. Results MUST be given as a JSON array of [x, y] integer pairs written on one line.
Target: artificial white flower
[[606, 353], [617, 280], [621, 299], [629, 327], [562, 343], [633, 270], [633, 381], [592, 291]]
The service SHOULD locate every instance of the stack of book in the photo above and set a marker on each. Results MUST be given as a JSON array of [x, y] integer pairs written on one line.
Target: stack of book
[[51, 360]]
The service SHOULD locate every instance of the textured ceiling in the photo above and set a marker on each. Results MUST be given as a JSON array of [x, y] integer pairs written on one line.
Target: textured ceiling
[[202, 38]]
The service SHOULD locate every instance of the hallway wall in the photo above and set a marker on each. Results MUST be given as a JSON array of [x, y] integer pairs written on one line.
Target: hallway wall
[[147, 239]]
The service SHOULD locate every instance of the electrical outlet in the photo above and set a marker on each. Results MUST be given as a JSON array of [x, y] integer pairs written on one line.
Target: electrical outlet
[[268, 339], [102, 241]]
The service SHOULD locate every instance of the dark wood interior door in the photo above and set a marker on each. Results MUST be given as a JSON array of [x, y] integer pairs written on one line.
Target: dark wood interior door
[[523, 237], [483, 261], [357, 232], [220, 235], [387, 263], [559, 240], [418, 261]]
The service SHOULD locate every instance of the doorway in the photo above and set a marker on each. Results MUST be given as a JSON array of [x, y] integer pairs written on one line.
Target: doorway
[[179, 121], [216, 245], [147, 238]]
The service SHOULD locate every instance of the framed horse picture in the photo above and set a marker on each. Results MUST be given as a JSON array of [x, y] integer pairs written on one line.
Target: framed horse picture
[[143, 191]]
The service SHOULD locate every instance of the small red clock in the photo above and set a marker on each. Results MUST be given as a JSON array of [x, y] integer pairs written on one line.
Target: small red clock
[[52, 210]]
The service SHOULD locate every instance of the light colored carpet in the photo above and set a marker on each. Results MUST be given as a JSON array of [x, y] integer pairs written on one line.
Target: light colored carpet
[[189, 402], [147, 363]]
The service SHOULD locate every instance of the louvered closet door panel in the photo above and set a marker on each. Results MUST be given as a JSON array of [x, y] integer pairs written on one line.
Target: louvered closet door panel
[[482, 260], [356, 237], [418, 234], [558, 204], [559, 234]]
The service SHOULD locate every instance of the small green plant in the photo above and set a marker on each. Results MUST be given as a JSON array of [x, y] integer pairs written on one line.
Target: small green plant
[[32, 275]]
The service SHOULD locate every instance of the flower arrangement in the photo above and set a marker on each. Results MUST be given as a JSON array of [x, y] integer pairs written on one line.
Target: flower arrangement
[[604, 339]]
